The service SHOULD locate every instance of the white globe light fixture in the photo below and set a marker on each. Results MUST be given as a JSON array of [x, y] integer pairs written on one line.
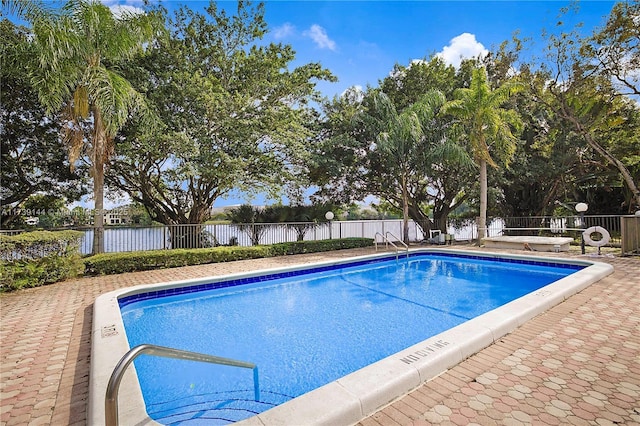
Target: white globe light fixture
[[329, 216], [581, 208]]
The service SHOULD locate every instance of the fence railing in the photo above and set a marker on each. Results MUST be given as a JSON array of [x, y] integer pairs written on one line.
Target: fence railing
[[123, 239], [161, 237]]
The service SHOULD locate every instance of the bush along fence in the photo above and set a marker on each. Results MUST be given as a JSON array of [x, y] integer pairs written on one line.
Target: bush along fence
[[40, 257], [122, 239], [43, 257], [113, 263]]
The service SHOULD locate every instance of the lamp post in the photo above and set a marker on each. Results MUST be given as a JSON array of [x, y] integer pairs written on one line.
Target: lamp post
[[329, 216], [581, 208]]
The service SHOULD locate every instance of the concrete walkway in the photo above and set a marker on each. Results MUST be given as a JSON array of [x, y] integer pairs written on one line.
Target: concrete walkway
[[578, 363]]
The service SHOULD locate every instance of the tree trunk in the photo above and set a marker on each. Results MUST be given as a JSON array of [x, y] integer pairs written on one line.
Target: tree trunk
[[551, 194], [441, 222], [405, 211], [98, 215], [187, 236], [420, 218], [441, 216], [482, 224], [99, 152]]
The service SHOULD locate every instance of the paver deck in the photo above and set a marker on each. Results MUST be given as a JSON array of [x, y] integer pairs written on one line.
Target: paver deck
[[578, 363]]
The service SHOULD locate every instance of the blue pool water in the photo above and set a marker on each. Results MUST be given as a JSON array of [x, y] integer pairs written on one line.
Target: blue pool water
[[304, 330]]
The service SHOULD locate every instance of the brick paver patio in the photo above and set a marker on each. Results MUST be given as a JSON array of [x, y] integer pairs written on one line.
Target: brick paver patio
[[578, 363]]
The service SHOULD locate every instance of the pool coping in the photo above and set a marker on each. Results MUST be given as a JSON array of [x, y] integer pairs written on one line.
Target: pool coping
[[354, 396]]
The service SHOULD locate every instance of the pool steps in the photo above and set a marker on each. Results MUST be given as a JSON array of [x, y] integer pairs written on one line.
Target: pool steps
[[111, 397]]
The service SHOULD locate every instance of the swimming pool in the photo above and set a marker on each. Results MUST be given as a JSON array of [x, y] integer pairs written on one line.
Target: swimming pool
[[391, 367]]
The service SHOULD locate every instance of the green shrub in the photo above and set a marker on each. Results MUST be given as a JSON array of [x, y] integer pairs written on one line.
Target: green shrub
[[37, 258], [300, 247], [44, 257], [115, 263]]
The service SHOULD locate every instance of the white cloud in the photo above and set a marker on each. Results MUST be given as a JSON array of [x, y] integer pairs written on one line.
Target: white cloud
[[130, 3], [417, 62], [284, 31], [354, 94], [464, 46], [129, 6], [513, 71], [320, 37], [397, 73], [120, 10]]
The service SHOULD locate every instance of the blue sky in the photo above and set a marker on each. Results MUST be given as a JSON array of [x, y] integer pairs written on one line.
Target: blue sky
[[360, 41]]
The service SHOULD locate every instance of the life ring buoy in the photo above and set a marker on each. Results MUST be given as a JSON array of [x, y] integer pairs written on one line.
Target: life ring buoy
[[599, 243]]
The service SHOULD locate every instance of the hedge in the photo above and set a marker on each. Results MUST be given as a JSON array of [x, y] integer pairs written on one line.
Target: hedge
[[115, 263], [301, 247], [43, 257], [37, 258]]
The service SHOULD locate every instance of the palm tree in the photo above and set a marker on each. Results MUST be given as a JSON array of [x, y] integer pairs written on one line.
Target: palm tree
[[488, 127], [75, 51], [249, 219], [403, 140]]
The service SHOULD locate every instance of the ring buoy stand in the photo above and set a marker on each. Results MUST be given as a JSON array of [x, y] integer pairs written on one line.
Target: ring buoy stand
[[599, 229]]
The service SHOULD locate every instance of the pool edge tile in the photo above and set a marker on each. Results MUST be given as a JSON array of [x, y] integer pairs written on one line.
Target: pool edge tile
[[328, 405], [379, 383], [108, 329]]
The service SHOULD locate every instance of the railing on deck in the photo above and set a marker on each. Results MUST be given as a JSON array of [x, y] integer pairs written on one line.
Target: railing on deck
[[111, 395], [388, 241]]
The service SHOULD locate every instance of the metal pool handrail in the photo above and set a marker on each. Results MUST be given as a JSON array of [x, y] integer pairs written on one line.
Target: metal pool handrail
[[388, 241], [111, 397]]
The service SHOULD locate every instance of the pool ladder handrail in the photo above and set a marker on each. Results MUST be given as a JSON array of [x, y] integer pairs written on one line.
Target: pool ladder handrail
[[387, 241], [111, 396]]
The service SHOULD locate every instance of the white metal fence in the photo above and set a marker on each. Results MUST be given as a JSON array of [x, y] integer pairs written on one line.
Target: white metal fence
[[124, 239]]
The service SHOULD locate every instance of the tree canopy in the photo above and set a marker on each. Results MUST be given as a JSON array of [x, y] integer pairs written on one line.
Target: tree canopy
[[488, 126], [235, 115], [74, 50], [179, 110], [33, 153], [402, 155]]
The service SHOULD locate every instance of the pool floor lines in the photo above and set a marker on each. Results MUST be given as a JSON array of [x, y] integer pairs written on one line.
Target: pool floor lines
[[407, 300]]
